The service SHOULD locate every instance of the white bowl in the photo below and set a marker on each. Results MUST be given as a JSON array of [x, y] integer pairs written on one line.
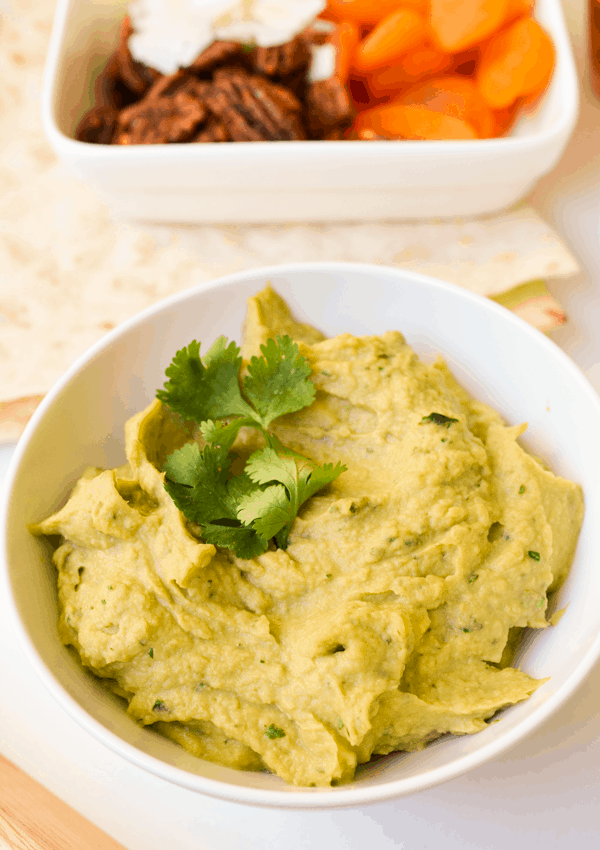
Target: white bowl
[[498, 358], [295, 181]]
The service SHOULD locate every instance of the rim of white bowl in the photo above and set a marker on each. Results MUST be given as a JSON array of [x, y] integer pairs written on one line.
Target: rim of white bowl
[[295, 798]]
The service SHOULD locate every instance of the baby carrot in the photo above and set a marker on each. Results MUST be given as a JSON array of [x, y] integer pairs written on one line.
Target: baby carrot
[[370, 12], [457, 96], [458, 24], [422, 61], [392, 37], [517, 61], [413, 121], [505, 118], [346, 39], [517, 9]]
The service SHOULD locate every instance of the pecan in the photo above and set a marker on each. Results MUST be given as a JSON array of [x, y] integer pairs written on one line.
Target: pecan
[[172, 111], [108, 88], [282, 60], [98, 125], [136, 76], [215, 54], [335, 135], [327, 106], [282, 97], [181, 80], [213, 131], [253, 109]]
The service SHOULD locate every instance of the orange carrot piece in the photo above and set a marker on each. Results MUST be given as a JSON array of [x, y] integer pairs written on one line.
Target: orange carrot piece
[[396, 34], [459, 24], [517, 9], [328, 15], [517, 61], [457, 96], [399, 121], [370, 12], [422, 61], [541, 72], [346, 39], [505, 118]]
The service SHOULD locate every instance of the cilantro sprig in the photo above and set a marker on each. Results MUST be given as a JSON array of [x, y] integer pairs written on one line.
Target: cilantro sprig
[[241, 512]]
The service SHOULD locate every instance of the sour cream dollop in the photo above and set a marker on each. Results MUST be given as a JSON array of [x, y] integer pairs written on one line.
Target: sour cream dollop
[[169, 34]]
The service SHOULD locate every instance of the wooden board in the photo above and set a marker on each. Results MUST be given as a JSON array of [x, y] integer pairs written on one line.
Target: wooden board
[[32, 818]]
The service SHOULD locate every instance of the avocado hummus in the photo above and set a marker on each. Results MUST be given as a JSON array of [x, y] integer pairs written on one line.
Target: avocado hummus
[[391, 617]]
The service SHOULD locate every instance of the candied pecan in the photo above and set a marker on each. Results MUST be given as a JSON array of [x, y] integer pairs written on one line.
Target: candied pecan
[[282, 97], [181, 80], [282, 60], [172, 111], [296, 84], [213, 131], [109, 88], [105, 86], [335, 135], [327, 106], [253, 109], [98, 125], [136, 76], [215, 54]]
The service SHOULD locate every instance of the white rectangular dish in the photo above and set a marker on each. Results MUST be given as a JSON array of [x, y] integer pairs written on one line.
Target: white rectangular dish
[[295, 181]]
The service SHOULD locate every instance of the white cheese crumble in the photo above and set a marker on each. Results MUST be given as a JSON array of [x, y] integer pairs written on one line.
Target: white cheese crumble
[[322, 66], [169, 34]]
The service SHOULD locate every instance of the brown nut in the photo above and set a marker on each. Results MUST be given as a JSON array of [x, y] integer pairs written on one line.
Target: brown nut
[[327, 106], [213, 131], [172, 111], [283, 60], [252, 108], [136, 76], [98, 125], [215, 54]]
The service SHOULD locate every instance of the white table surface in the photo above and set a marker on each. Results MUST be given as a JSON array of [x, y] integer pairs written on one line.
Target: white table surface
[[542, 794]]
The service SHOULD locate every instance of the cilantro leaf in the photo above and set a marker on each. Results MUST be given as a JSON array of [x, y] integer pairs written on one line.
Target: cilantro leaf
[[240, 512], [240, 486], [182, 465], [223, 434], [267, 465], [277, 383], [273, 732], [222, 351], [197, 481], [205, 390], [244, 541], [318, 478], [268, 510], [439, 419], [274, 509]]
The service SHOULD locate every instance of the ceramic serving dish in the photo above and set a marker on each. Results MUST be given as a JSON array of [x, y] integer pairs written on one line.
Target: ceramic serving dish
[[295, 181]]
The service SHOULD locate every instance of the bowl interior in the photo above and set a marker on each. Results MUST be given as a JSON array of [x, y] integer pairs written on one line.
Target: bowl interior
[[496, 356]]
